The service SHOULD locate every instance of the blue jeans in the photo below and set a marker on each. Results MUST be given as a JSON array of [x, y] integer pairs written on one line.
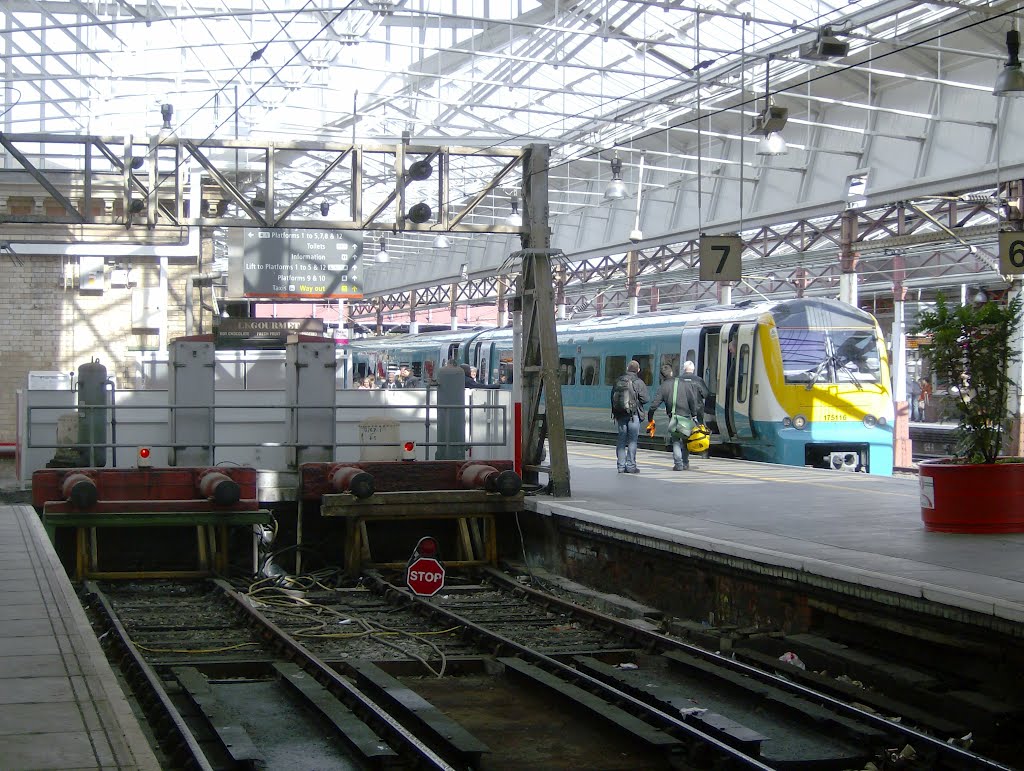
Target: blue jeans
[[625, 442], [680, 452]]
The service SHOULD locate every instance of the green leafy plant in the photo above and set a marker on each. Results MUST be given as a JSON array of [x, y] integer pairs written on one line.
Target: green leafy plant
[[972, 348]]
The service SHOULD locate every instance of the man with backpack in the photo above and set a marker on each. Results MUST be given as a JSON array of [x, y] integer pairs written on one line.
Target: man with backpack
[[684, 397], [629, 395]]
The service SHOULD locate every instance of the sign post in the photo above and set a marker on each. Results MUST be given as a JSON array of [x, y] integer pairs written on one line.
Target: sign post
[[425, 576], [1011, 252], [299, 262], [720, 258]]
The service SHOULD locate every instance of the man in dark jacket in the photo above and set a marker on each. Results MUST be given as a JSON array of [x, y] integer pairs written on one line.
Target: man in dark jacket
[[682, 396], [409, 380], [628, 389]]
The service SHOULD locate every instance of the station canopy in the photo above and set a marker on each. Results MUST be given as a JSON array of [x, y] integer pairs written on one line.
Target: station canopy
[[660, 86]]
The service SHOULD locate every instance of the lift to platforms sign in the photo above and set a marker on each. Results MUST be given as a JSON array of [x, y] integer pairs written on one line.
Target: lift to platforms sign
[[299, 262]]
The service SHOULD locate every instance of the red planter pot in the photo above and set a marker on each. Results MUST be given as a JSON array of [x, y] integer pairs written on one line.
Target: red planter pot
[[972, 497]]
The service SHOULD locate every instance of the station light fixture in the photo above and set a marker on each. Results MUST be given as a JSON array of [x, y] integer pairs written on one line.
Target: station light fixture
[[770, 121], [1010, 81], [616, 189], [167, 113], [325, 208], [419, 213], [441, 241], [419, 170], [382, 253], [136, 206], [514, 219]]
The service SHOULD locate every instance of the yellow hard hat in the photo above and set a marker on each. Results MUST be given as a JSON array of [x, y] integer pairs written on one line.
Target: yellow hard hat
[[699, 440]]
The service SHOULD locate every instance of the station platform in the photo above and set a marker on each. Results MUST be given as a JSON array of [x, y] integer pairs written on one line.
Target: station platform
[[854, 533], [61, 706]]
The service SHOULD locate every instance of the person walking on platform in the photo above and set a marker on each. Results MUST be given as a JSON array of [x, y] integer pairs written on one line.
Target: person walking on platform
[[681, 396], [629, 395]]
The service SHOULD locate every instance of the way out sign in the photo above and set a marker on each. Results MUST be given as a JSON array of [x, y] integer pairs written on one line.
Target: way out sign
[[425, 576], [720, 258]]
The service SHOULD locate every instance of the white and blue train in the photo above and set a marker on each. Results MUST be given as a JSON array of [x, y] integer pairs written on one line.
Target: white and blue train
[[802, 382]]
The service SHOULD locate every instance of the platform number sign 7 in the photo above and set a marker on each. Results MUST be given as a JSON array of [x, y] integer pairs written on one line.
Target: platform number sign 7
[[1011, 253], [720, 258]]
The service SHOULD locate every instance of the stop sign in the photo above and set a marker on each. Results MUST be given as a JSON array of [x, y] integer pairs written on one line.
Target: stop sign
[[425, 576]]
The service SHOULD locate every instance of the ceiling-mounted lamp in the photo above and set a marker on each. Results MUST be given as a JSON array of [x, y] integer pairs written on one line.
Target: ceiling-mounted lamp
[[1010, 81], [825, 46], [464, 271], [770, 122], [441, 241], [419, 213], [616, 189], [136, 163], [325, 208], [382, 254], [167, 113], [136, 206], [259, 200], [419, 170], [514, 219]]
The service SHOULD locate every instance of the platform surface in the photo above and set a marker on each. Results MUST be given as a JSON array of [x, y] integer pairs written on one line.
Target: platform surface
[[855, 528], [60, 704]]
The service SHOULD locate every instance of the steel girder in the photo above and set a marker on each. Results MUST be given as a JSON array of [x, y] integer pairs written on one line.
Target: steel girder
[[941, 240]]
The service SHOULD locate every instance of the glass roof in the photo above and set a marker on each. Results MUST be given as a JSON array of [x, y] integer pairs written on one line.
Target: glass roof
[[585, 77]]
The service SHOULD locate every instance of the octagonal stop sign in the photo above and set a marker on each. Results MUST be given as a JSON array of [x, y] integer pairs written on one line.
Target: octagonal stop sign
[[425, 576]]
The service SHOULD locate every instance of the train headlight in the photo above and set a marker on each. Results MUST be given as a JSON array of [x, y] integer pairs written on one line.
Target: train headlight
[[799, 422], [787, 422], [870, 421], [882, 421]]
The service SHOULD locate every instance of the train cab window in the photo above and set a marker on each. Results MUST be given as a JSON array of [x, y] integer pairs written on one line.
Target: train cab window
[[591, 366], [672, 360], [743, 374], [646, 362], [614, 368], [567, 371]]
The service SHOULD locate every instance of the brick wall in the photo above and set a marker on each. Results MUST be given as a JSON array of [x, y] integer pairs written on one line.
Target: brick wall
[[45, 325]]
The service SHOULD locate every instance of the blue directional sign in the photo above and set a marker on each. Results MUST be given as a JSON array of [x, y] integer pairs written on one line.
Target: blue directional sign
[[301, 262]]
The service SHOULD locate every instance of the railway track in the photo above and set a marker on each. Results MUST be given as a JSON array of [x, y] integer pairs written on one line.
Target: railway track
[[488, 674]]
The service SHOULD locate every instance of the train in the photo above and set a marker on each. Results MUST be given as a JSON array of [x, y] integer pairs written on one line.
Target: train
[[800, 382]]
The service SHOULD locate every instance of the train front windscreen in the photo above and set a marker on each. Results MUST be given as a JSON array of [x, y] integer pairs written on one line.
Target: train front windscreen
[[823, 342]]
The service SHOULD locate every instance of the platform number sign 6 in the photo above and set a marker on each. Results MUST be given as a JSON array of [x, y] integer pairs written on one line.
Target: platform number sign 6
[[1011, 253], [720, 258]]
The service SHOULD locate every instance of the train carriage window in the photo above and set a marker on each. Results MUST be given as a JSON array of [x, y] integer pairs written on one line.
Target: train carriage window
[[743, 374], [614, 368], [672, 360], [591, 367], [505, 367], [453, 352], [646, 361], [567, 371]]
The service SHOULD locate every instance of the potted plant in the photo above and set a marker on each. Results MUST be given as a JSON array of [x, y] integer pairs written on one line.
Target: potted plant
[[973, 348]]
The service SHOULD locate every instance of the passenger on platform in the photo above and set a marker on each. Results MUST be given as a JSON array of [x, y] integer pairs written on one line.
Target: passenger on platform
[[409, 380], [924, 398], [391, 382], [683, 396], [915, 400], [471, 381], [366, 383], [628, 397]]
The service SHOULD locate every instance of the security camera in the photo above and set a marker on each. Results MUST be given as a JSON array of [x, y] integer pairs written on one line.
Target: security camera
[[636, 235]]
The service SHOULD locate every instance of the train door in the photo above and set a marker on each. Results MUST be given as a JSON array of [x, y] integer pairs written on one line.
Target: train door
[[724, 380], [707, 368], [743, 385]]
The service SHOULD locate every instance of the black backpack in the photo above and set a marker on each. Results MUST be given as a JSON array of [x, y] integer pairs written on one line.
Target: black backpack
[[624, 401]]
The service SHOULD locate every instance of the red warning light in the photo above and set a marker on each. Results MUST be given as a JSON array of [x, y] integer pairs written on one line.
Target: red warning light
[[427, 547], [409, 446], [144, 452]]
